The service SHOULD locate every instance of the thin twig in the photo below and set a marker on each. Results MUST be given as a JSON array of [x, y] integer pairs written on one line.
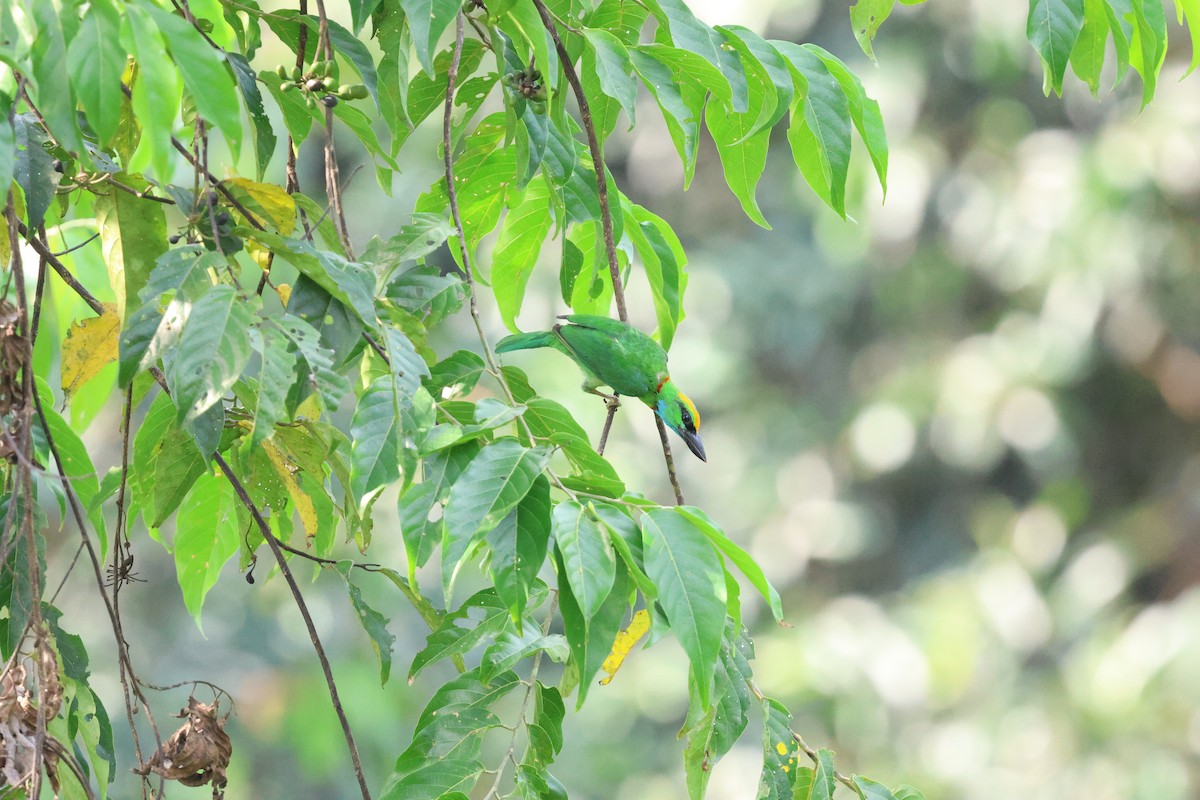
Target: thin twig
[[606, 223], [144, 194], [73, 248], [589, 128], [298, 596], [42, 250]]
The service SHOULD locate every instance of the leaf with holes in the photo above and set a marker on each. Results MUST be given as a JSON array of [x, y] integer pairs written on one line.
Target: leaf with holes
[[214, 348]]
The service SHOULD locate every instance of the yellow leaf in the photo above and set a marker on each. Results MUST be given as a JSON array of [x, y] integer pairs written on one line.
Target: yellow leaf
[[286, 471], [91, 344], [271, 200], [285, 292], [624, 642]]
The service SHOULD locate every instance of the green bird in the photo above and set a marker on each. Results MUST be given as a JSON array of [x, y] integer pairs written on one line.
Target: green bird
[[614, 354]]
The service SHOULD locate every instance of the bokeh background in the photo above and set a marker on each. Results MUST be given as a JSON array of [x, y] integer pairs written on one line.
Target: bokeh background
[[959, 432]]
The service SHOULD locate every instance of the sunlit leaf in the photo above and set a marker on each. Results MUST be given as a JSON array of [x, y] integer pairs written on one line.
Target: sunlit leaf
[[1053, 26], [213, 349], [206, 536], [588, 560], [89, 346]]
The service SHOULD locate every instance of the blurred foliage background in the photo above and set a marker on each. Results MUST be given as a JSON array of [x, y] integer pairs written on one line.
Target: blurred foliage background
[[958, 432]]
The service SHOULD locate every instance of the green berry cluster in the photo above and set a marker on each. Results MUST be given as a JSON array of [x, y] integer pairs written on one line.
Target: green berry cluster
[[319, 84]]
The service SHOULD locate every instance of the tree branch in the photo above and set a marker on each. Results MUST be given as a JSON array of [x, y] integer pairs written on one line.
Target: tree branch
[[42, 250]]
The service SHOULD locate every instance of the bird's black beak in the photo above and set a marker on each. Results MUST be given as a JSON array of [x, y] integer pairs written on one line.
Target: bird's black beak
[[694, 444]]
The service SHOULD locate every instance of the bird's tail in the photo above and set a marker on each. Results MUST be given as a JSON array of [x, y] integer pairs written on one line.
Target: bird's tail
[[525, 341]]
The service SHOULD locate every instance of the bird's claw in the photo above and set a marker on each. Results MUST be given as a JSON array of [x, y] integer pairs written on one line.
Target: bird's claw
[[612, 402]]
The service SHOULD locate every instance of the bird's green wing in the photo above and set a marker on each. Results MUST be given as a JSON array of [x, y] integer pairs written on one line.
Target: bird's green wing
[[618, 355]]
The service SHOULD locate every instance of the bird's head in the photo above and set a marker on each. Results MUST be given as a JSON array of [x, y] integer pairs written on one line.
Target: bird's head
[[681, 416]]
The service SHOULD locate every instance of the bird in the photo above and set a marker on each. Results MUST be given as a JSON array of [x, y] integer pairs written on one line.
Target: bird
[[617, 355]]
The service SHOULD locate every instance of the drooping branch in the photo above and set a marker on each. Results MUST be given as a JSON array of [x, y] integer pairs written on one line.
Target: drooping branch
[[42, 250]]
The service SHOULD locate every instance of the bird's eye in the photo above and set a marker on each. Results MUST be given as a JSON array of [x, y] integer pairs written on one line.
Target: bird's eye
[[687, 418]]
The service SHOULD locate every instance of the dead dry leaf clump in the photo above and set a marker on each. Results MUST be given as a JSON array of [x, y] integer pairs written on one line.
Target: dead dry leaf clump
[[197, 753]]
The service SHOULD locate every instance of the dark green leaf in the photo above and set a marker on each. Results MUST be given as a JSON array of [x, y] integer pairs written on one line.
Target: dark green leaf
[[133, 235], [76, 464], [375, 437], [204, 73], [591, 640], [213, 349], [614, 69], [95, 61], [740, 558], [374, 623], [56, 101], [263, 130], [459, 372], [781, 755], [518, 547], [360, 12], [33, 168], [453, 638], [871, 790], [316, 359], [588, 560], [691, 588], [177, 464], [428, 20], [1053, 27]]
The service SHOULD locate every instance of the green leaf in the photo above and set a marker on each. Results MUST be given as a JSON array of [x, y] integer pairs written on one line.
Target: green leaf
[[732, 689], [423, 234], [738, 556], [360, 12], [426, 94], [444, 754], [591, 640], [76, 464], [205, 75], [406, 366], [148, 331], [588, 560], [133, 235], [95, 61], [276, 376], [871, 790], [20, 583], [517, 248], [425, 292], [545, 729], [510, 647], [214, 348], [781, 755], [458, 372], [823, 780], [262, 130], [1148, 45], [864, 112], [8, 153], [1053, 27], [683, 122], [374, 623], [177, 464], [1087, 57], [614, 69], [908, 793], [428, 20], [518, 547], [206, 536], [33, 168], [690, 34], [495, 481], [1191, 10], [56, 101], [316, 359], [157, 93], [819, 130], [691, 588], [375, 437], [696, 754], [663, 261], [452, 638], [866, 16]]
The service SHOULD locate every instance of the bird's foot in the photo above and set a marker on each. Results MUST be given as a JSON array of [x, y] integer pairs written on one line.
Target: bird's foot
[[612, 402]]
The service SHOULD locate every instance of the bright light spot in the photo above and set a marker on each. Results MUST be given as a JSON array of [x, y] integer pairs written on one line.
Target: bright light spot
[[1132, 328], [1154, 637], [1028, 420], [1097, 575], [900, 217], [834, 531], [1038, 536], [1014, 607], [883, 437], [956, 750], [806, 477]]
